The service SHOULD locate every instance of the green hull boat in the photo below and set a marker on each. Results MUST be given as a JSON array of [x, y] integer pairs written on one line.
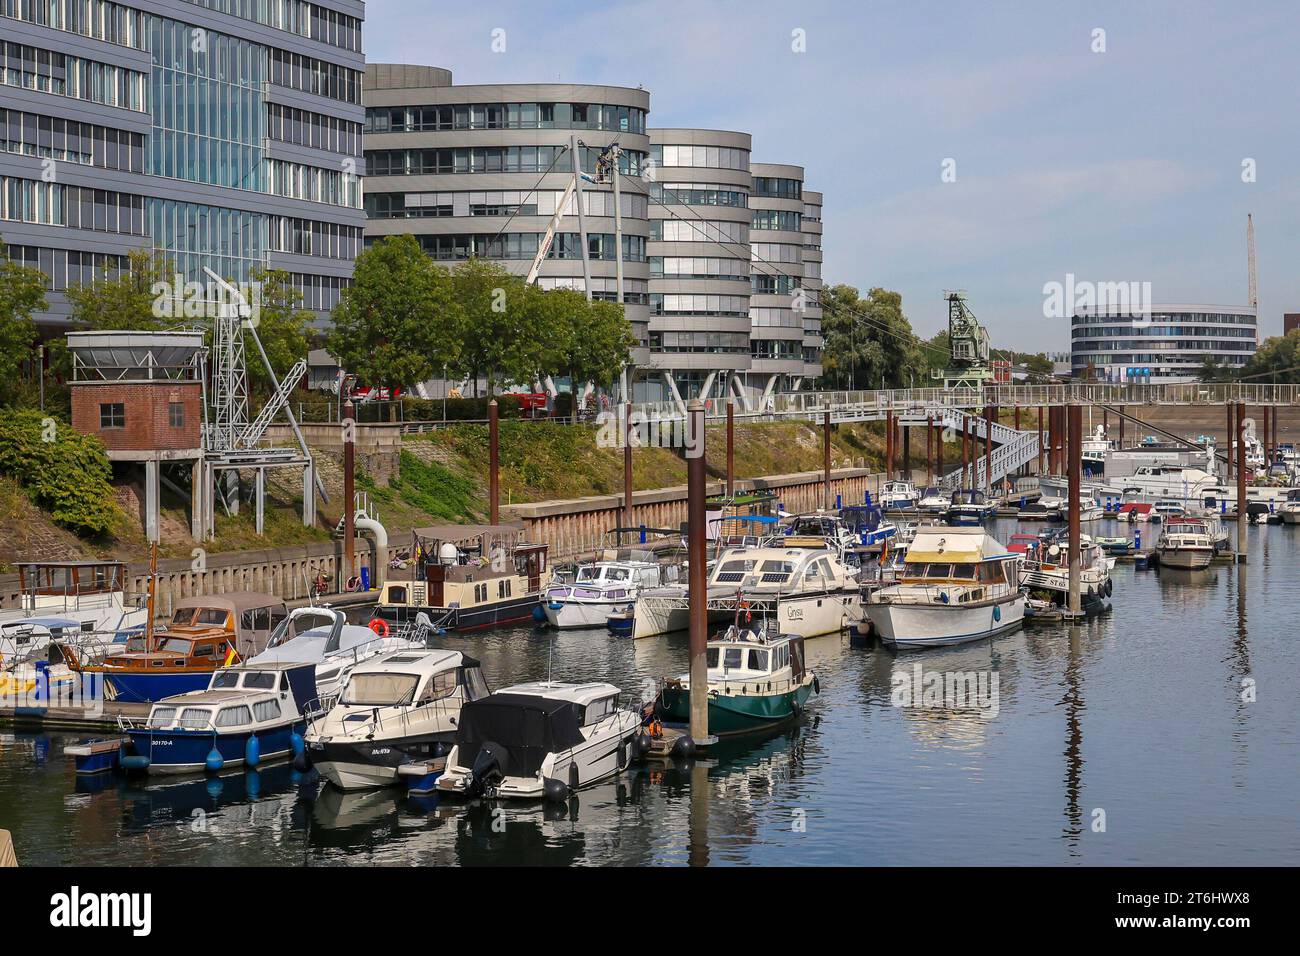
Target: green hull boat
[[737, 713]]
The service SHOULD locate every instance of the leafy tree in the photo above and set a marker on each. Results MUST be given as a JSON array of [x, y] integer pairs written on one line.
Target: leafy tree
[[22, 294], [281, 325], [589, 341], [398, 321], [504, 331], [64, 472], [869, 342], [1276, 361], [126, 301]]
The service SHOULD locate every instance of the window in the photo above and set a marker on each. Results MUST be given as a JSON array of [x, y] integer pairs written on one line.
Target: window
[[225, 680], [758, 661], [440, 685], [161, 717], [266, 709], [734, 658], [112, 415], [176, 414], [379, 689], [234, 717], [259, 682], [196, 718]]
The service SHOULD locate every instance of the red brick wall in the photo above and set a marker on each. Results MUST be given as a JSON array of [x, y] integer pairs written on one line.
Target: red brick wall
[[148, 422]]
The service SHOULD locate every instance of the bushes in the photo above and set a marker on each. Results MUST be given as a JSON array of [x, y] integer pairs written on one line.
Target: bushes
[[433, 489], [68, 475]]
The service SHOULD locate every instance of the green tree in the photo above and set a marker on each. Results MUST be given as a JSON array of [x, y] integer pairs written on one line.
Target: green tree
[[1275, 361], [398, 322], [282, 325], [504, 332], [62, 471], [126, 301], [869, 341], [589, 341], [22, 294]]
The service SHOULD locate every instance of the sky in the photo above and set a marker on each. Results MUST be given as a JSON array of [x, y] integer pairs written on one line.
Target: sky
[[1115, 156]]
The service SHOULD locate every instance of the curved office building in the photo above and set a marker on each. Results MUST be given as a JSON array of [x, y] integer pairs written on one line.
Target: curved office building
[[479, 171], [779, 304], [699, 263], [1168, 344], [812, 284]]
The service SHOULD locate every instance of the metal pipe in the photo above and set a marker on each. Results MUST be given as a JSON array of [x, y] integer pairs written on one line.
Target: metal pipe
[[697, 549], [1074, 459], [826, 458], [731, 442], [349, 486]]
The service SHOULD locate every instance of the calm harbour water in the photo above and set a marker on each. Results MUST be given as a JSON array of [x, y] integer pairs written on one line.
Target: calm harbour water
[[1129, 740]]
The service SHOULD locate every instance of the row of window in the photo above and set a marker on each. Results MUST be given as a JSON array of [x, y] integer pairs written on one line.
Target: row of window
[[180, 48], [776, 219], [113, 415], [605, 288], [232, 242], [307, 237], [699, 342], [77, 207], [289, 124], [524, 245], [776, 252], [300, 181], [320, 293], [774, 284], [1180, 345], [424, 119], [96, 19], [206, 159], [508, 202], [68, 267], [311, 75], [295, 16], [776, 348], [1155, 331], [1217, 318], [490, 159], [699, 194], [699, 267], [686, 230], [764, 317], [51, 72], [776, 187], [54, 137], [700, 157], [736, 306]]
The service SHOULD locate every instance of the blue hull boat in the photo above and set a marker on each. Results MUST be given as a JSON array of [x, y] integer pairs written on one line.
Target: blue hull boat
[[146, 688]]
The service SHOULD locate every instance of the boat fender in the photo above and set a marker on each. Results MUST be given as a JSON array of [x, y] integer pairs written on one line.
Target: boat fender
[[135, 762], [379, 626], [296, 742], [538, 614], [683, 747], [817, 685], [489, 767], [555, 791], [997, 613], [215, 761], [301, 761], [644, 744], [253, 751], [575, 780], [623, 759], [1110, 587]]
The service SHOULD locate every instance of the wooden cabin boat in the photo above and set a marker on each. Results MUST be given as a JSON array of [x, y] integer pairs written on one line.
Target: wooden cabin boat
[[757, 679], [467, 576], [958, 585], [205, 633]]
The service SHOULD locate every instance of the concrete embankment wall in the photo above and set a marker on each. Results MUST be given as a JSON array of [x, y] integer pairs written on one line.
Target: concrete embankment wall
[[569, 527]]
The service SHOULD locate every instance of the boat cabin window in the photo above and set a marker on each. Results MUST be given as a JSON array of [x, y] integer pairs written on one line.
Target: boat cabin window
[[195, 718], [476, 685], [712, 658], [734, 570], [598, 710], [161, 717], [775, 572], [259, 681], [963, 570], [781, 656], [234, 716], [442, 684], [225, 680], [733, 658], [177, 645], [937, 571], [257, 619], [266, 709], [758, 660], [380, 690]]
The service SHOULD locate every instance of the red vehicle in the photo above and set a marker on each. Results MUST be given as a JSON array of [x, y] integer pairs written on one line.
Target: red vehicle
[[532, 404], [366, 393], [1023, 543]]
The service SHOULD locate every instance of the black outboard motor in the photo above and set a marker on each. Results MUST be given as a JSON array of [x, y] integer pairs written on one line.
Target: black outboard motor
[[489, 768]]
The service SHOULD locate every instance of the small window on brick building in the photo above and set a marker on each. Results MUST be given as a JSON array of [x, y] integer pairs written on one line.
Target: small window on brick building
[[112, 415], [176, 414]]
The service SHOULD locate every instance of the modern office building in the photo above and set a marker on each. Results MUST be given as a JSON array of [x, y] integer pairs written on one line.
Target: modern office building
[[478, 170], [224, 133], [1168, 343]]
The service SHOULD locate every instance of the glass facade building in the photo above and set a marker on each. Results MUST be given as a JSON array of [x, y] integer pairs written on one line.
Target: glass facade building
[[223, 133], [1166, 344]]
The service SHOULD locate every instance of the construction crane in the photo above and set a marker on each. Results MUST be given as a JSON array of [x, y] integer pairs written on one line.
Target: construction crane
[[968, 347], [1250, 258]]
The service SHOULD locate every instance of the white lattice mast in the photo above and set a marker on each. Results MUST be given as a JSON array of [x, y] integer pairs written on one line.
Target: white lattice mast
[[229, 378], [1250, 256]]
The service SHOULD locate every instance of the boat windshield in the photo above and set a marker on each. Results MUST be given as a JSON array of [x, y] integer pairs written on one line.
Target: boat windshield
[[199, 616], [380, 690], [177, 645], [225, 680]]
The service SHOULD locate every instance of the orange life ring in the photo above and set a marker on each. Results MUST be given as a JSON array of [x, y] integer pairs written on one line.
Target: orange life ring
[[379, 626]]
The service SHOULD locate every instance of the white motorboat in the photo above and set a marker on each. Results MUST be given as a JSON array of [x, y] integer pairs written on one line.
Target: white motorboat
[[934, 501], [91, 593], [545, 739], [604, 587], [1185, 543], [957, 585], [1045, 572], [394, 709], [1093, 452], [322, 636], [899, 496], [1290, 509], [808, 588], [969, 507], [1046, 508]]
